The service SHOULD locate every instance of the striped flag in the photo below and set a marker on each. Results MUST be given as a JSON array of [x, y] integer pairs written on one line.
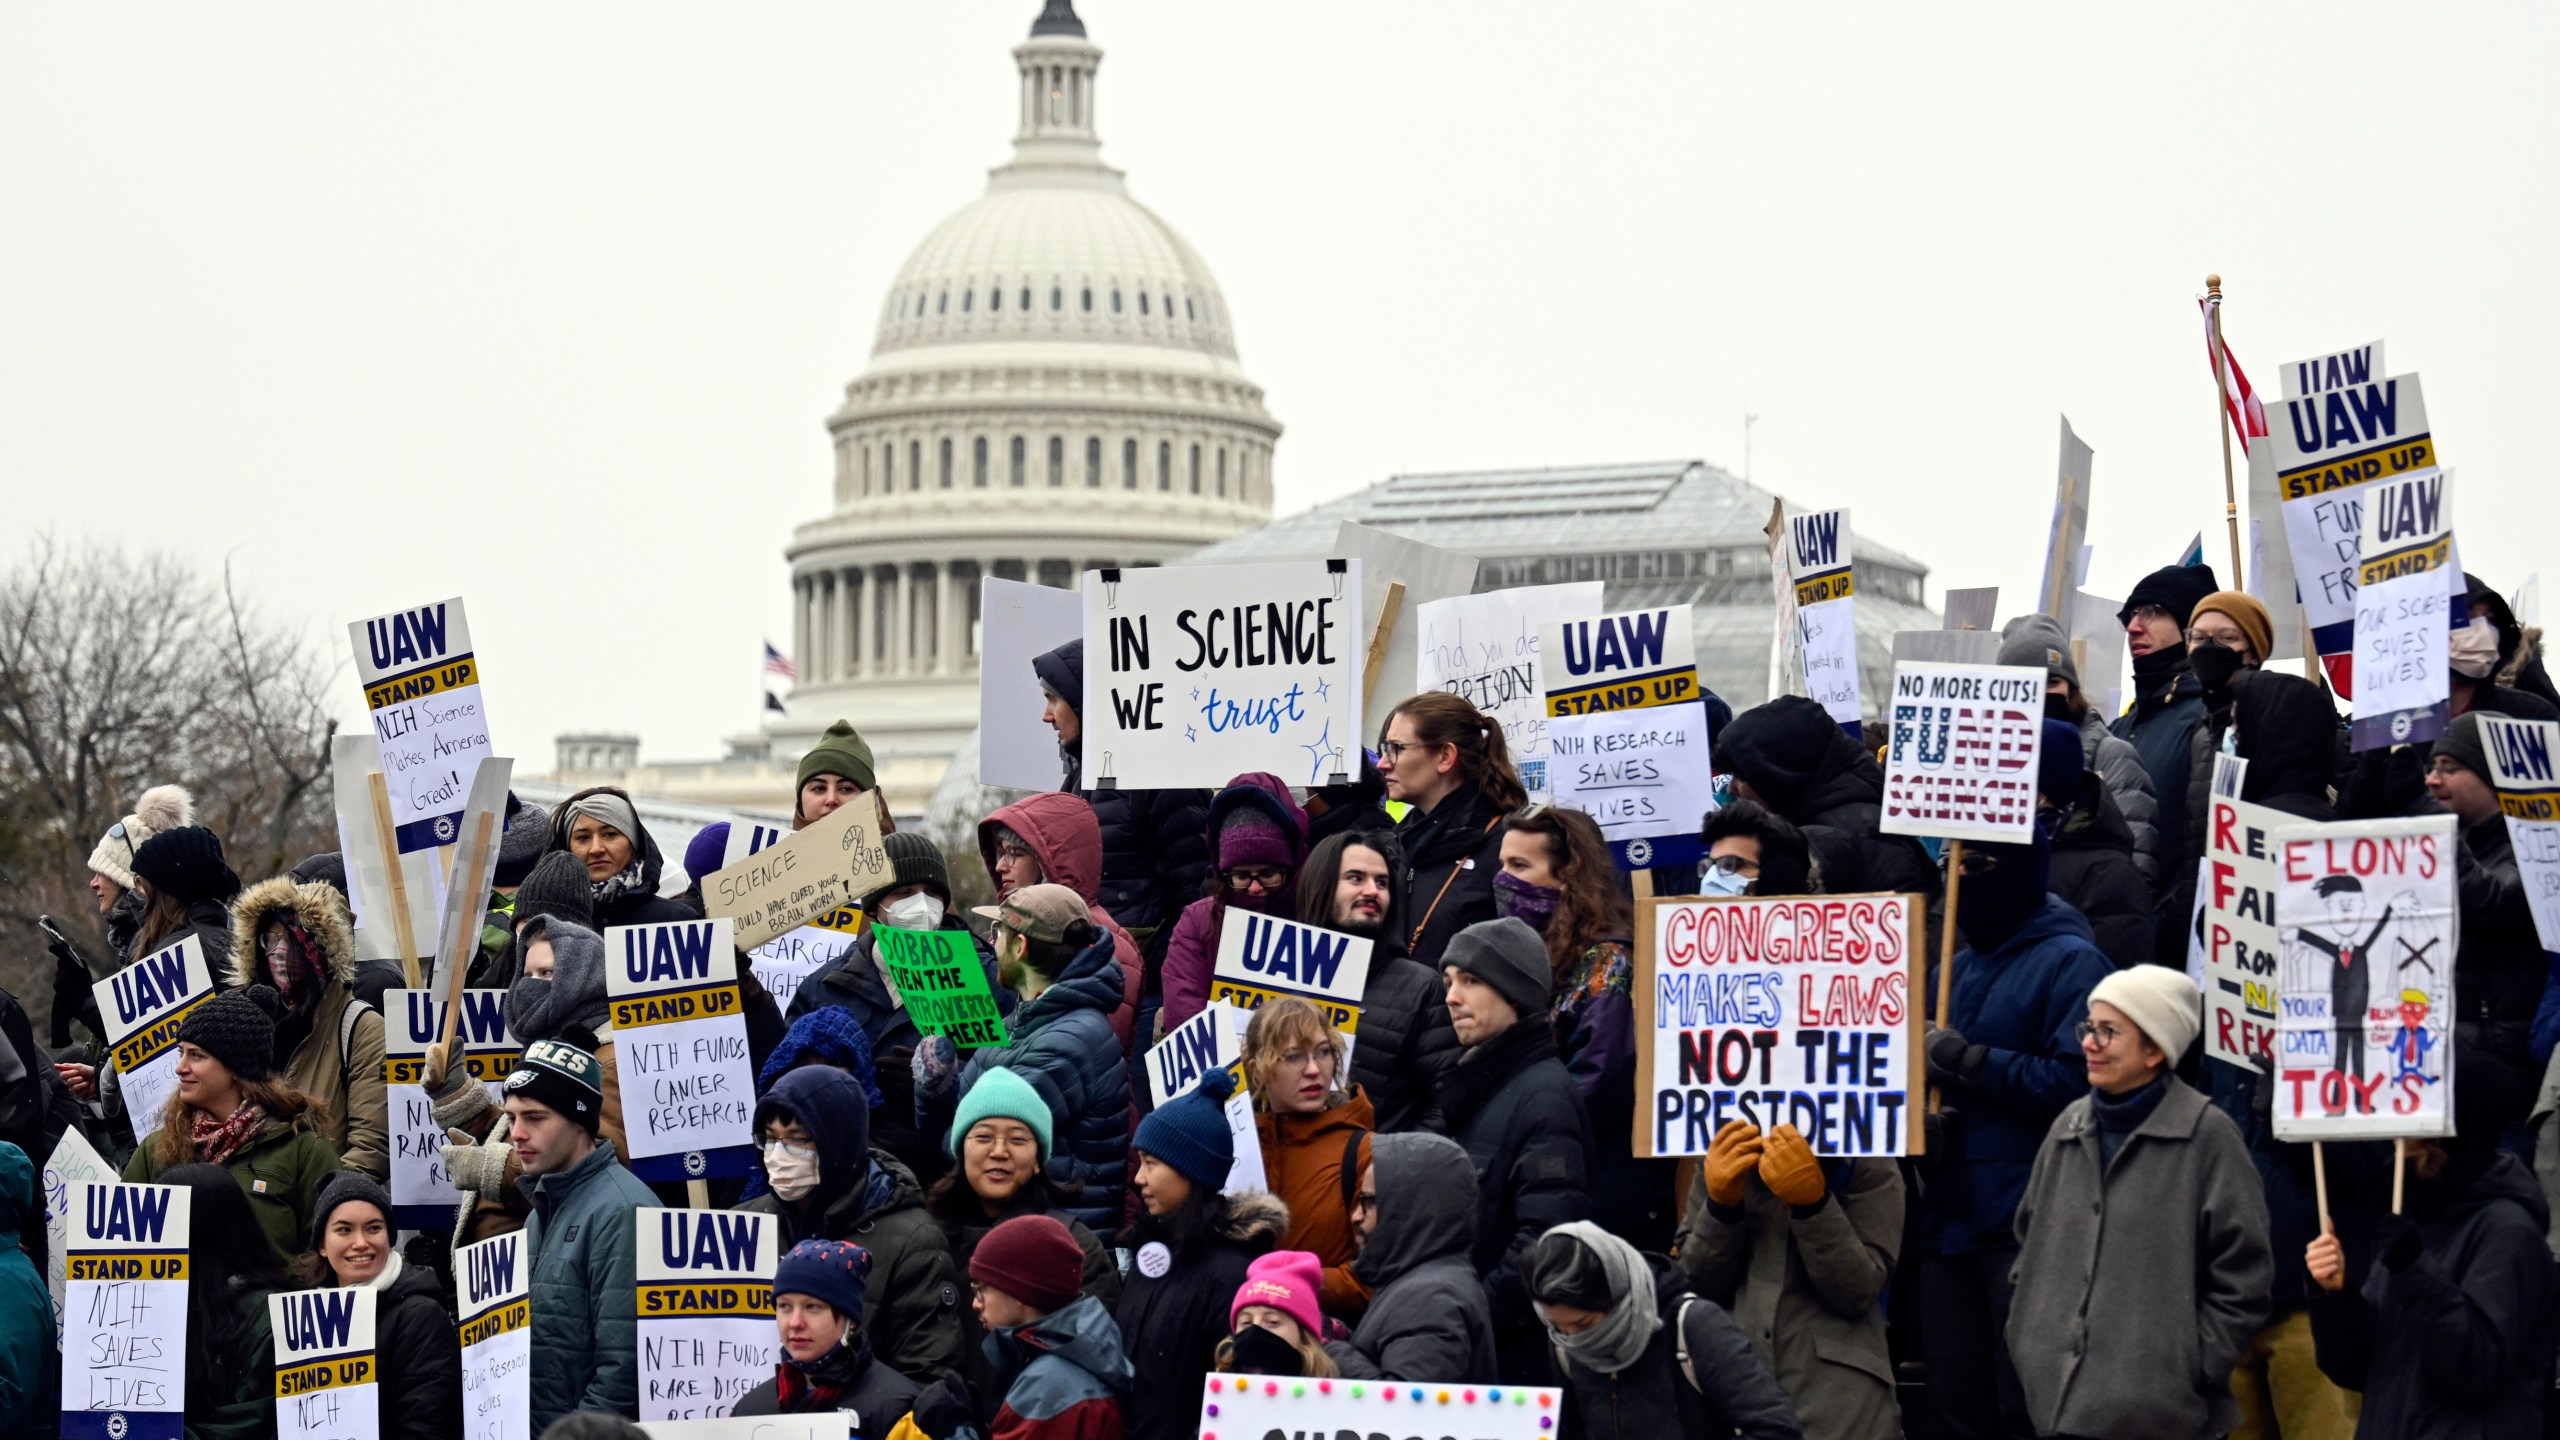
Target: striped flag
[[2248, 417], [776, 663]]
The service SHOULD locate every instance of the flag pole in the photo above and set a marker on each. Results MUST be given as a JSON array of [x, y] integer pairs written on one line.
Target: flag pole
[[2222, 421]]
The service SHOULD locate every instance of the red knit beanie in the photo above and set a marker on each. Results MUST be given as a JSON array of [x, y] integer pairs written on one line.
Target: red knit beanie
[[1033, 1259]]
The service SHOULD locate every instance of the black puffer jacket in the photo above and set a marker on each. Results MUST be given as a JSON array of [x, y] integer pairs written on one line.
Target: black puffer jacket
[[1514, 1108], [1652, 1399], [2499, 972], [2093, 869], [421, 1358], [1806, 768], [1171, 1323], [1445, 880], [1155, 848], [642, 905], [2288, 733], [1405, 1043]]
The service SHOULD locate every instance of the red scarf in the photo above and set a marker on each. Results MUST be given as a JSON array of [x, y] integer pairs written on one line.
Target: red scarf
[[216, 1141]]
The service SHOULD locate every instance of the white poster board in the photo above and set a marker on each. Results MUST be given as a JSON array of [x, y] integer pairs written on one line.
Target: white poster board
[[705, 1298], [1486, 650], [1214, 1040], [2324, 447], [144, 1004], [1240, 1407], [1960, 762], [124, 1328], [1195, 674], [1627, 731], [2070, 529], [353, 757], [412, 1020], [2241, 945], [2403, 683], [781, 963], [1017, 624], [422, 688], [826, 1425], [2524, 765], [1263, 957], [1826, 612], [1427, 573], [328, 1383], [680, 1033], [74, 1163], [491, 1280]]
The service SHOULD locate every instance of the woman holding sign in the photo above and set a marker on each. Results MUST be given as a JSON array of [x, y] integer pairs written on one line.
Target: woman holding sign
[[1450, 762], [231, 1270], [417, 1352]]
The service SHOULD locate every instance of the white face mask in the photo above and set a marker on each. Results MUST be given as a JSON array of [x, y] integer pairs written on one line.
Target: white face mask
[[916, 912], [792, 1170], [1723, 882], [2473, 649]]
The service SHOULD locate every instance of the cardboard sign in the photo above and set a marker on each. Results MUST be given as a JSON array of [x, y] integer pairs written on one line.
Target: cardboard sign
[[328, 1386], [826, 1425], [2364, 1042], [1826, 611], [353, 759], [143, 1005], [1017, 624], [943, 982], [832, 864], [1214, 1040], [680, 1032], [1627, 731], [783, 962], [464, 909], [1961, 759], [422, 1194], [1428, 574], [1792, 1010], [2524, 765], [1197, 673], [491, 1280], [2402, 681], [124, 1327], [422, 686], [1486, 649], [2241, 945], [2324, 447], [705, 1296], [1245, 1408], [2070, 529], [1263, 957], [1970, 609], [74, 1163]]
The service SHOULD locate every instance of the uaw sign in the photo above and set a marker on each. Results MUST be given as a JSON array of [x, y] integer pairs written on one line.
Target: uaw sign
[[124, 1324], [422, 687], [327, 1385], [705, 1304], [688, 1088], [144, 1004], [1627, 731]]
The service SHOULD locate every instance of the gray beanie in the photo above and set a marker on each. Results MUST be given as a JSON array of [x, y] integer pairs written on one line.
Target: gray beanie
[[2039, 640], [573, 994], [1509, 956]]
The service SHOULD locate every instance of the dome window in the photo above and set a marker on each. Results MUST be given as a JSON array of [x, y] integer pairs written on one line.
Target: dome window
[[995, 299], [1026, 297], [1093, 462], [946, 462], [1187, 312], [1115, 302], [1142, 302], [1128, 464], [1088, 299], [1222, 470], [1057, 461], [965, 297], [1168, 305], [1017, 462], [915, 464], [942, 306], [1057, 299], [978, 462], [1195, 469], [1164, 459]]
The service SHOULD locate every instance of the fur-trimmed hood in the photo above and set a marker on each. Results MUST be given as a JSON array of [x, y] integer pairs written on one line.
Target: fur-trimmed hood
[[1255, 1219], [322, 913]]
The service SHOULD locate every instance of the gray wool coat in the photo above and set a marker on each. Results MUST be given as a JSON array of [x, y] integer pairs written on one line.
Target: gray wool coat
[[2108, 1265]]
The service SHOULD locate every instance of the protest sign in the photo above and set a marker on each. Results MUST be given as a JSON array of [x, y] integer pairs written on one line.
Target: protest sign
[[939, 976], [455, 942], [1970, 609], [2355, 366], [2070, 529], [375, 901], [2098, 649], [705, 1305], [2402, 681], [1786, 644], [328, 1386], [1214, 1040], [2324, 447], [2240, 942], [688, 1089], [143, 1005], [1242, 1408], [1780, 1011], [816, 1425], [422, 686], [782, 962], [1627, 731], [1018, 623], [1961, 759], [422, 1194], [124, 1314], [491, 1279], [1263, 957], [1198, 673], [2523, 767], [1427, 574], [1826, 611], [1486, 650], [2364, 1024], [833, 863], [74, 1163]]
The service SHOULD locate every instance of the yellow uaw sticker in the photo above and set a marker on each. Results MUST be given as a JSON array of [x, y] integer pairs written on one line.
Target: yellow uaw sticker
[[127, 1265], [452, 674], [1337, 1016], [2396, 458], [1632, 692], [512, 1316], [1829, 585], [144, 1046], [669, 1006], [2530, 804], [329, 1374], [2435, 554], [703, 1302]]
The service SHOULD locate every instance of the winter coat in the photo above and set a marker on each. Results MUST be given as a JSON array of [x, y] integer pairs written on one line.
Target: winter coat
[[1170, 1324], [2022, 1000], [1805, 767], [852, 980], [1631, 1197], [582, 1236], [1062, 835], [1101, 1267], [2499, 971], [640, 906], [2383, 783], [280, 1171], [2457, 1344], [345, 1078], [1514, 1109], [1062, 1045], [1444, 882], [1428, 1318], [1193, 952], [2359, 1181], [30, 1370], [245, 1407], [2094, 869], [2129, 785], [912, 1300], [2159, 725], [1405, 1043], [1155, 859], [2113, 1254], [1653, 1399], [1312, 1162], [878, 1400], [418, 1355], [1806, 1289], [1062, 1376]]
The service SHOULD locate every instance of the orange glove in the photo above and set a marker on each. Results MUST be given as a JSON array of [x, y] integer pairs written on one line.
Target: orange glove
[[1789, 1169], [1734, 1153]]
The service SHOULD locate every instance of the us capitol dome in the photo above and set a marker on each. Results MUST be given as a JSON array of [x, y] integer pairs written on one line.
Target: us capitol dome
[[1053, 388]]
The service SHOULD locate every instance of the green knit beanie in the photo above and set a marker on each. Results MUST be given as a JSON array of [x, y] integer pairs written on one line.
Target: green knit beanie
[[1002, 1095], [838, 752]]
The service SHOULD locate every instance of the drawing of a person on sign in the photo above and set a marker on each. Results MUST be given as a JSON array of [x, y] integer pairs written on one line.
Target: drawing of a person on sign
[[2411, 1042], [2344, 942]]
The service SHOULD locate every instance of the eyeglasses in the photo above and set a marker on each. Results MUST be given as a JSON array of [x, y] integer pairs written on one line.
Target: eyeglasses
[[784, 1147], [2148, 613], [2107, 1034], [1265, 877], [1977, 863], [1010, 851], [1365, 1200], [2232, 640], [1392, 751], [1297, 1059], [1730, 865], [2446, 767]]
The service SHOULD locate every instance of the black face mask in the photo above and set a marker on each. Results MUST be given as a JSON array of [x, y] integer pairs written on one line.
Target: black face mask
[[1261, 1352], [2059, 707], [2160, 664], [2215, 663]]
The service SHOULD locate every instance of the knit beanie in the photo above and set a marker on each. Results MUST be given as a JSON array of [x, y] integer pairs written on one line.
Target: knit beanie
[[1252, 837], [913, 860], [1509, 956], [1033, 1259], [2164, 1003], [832, 1272], [162, 807], [2461, 743], [326, 868], [1190, 1132], [2039, 641], [2174, 588], [2246, 612], [1286, 1280], [704, 852], [556, 886], [838, 752], [572, 994], [342, 1187], [186, 865], [2060, 764], [1000, 1094], [520, 845], [561, 1077], [237, 1028]]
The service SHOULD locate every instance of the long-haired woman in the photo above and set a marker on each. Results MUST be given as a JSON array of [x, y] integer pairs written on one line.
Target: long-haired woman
[[231, 1270], [417, 1352], [1450, 762], [1314, 1126]]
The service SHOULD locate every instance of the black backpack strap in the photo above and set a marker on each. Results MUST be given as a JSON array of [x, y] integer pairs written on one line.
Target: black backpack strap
[[1351, 1170]]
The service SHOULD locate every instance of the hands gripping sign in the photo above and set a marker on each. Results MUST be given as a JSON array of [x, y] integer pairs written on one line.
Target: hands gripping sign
[[688, 1091], [422, 685], [1627, 731]]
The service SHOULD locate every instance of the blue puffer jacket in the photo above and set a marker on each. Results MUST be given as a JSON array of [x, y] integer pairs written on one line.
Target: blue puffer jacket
[[2020, 1000], [28, 1367], [1062, 1044], [585, 1306]]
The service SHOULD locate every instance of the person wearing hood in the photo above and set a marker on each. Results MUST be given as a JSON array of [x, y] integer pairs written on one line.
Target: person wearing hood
[[2168, 699], [1428, 1318], [1060, 966], [1793, 758], [30, 1371], [2039, 641], [826, 1182], [602, 830], [2450, 1333], [821, 1291], [1313, 1128], [1349, 884], [1642, 1357], [1053, 1351], [417, 1352], [1260, 838], [1053, 838], [298, 940], [2499, 969], [230, 1340], [1452, 764], [1516, 1111], [2143, 1209], [2286, 728], [2093, 865], [2007, 1060]]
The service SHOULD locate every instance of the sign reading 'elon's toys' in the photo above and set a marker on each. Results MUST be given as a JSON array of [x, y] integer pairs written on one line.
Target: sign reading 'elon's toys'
[[1961, 747], [1627, 731], [422, 685], [688, 1088]]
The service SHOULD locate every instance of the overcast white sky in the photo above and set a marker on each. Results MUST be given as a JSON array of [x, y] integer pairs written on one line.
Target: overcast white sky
[[546, 305]]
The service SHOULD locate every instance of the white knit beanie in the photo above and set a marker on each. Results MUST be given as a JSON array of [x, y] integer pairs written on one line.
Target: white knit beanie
[[2162, 1001], [162, 807]]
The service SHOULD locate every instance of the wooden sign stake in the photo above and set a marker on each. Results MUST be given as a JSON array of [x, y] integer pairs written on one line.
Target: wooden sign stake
[[460, 966], [386, 835], [2222, 422], [697, 1194], [1378, 637], [2320, 1184], [1947, 950], [2399, 1170]]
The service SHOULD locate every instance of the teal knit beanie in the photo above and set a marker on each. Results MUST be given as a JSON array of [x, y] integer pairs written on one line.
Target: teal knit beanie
[[1002, 1095]]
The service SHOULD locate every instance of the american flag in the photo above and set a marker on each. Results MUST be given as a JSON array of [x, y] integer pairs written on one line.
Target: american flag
[[2248, 417], [776, 663]]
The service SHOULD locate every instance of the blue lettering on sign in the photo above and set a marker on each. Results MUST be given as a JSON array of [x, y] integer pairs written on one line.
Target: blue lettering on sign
[[667, 952], [1187, 1053], [128, 1212], [319, 1320], [2351, 367], [1301, 954], [719, 1240], [1615, 642], [405, 638], [1817, 538], [2345, 417], [2405, 511], [2522, 750], [492, 1270], [149, 983]]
